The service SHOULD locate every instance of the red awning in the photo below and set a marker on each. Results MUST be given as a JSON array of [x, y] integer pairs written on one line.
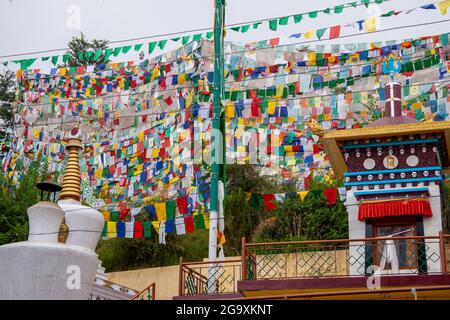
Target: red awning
[[382, 209]]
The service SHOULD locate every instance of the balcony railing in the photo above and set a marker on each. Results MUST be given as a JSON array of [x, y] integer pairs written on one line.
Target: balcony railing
[[199, 278], [317, 259], [355, 257], [149, 293]]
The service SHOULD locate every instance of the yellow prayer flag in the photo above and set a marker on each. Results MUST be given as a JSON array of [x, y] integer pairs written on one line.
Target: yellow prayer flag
[[302, 194], [182, 78], [160, 208], [230, 110], [155, 152], [111, 229], [309, 34], [140, 136], [443, 6], [279, 91], [271, 107], [206, 219], [371, 24], [156, 225]]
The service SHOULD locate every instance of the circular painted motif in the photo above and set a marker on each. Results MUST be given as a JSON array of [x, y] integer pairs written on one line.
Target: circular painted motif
[[390, 162], [369, 164], [412, 161]]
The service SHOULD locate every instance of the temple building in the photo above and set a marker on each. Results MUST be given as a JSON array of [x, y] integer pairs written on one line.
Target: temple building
[[393, 170]]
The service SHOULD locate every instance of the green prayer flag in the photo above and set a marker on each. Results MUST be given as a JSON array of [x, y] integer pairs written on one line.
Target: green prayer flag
[[444, 39], [45, 58], [354, 4], [283, 21], [327, 11], [339, 9], [209, 35], [125, 49], [138, 46], [312, 14], [237, 29], [107, 55], [298, 18], [152, 46], [245, 28], [117, 51], [388, 14], [365, 2], [5, 63], [80, 56], [97, 54], [256, 25], [170, 209], [418, 65], [320, 32], [197, 37], [88, 55], [104, 229], [65, 58], [185, 40], [114, 216], [55, 60], [378, 1], [147, 225], [199, 222], [273, 24]]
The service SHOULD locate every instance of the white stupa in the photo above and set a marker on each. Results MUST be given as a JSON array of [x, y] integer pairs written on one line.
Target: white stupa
[[44, 268]]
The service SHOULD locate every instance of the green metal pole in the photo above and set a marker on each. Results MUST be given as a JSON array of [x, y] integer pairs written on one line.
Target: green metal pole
[[217, 142]]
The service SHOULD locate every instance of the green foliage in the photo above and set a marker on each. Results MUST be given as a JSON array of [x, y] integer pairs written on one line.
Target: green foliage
[[81, 45], [7, 94], [126, 254], [15, 200], [311, 219]]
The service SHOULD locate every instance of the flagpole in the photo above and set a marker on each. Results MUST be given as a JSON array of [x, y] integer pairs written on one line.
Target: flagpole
[[217, 140]]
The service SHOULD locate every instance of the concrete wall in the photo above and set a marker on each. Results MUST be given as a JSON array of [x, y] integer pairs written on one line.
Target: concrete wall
[[166, 279]]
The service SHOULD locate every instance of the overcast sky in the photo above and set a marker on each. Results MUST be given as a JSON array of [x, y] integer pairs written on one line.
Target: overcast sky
[[34, 25]]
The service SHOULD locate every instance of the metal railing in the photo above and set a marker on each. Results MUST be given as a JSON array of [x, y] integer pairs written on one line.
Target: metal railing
[[149, 293], [317, 259], [201, 278], [355, 257]]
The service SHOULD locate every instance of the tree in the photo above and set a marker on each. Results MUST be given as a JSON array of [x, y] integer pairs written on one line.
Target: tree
[[83, 52], [7, 96], [15, 200], [311, 219]]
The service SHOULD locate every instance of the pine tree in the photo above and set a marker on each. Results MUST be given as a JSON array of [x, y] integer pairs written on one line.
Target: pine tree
[[83, 52]]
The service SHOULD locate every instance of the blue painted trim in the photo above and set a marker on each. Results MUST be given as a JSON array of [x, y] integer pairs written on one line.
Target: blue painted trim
[[365, 193], [362, 183], [362, 173], [384, 144]]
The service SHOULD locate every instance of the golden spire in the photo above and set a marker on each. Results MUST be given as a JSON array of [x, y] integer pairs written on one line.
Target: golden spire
[[71, 188]]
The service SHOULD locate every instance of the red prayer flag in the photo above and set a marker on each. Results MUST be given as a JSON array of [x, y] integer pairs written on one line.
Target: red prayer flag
[[182, 204], [189, 223], [138, 230], [168, 100], [335, 32], [269, 201], [330, 195], [274, 42], [123, 213]]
